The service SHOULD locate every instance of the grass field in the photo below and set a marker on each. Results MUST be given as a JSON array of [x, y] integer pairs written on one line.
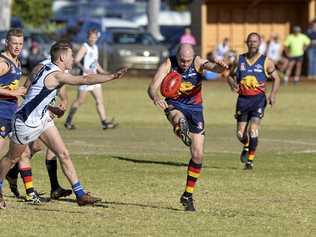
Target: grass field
[[139, 170]]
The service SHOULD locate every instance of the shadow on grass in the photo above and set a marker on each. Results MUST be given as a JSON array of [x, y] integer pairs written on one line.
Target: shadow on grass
[[169, 163], [105, 204]]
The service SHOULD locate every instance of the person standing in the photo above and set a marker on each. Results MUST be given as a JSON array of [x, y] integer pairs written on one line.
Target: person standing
[[295, 45], [88, 55]]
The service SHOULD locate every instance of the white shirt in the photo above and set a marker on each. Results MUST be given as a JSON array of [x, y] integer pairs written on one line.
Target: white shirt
[[34, 106], [90, 59]]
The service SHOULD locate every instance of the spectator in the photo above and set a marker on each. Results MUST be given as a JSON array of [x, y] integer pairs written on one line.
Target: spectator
[[222, 49], [35, 56], [295, 44], [311, 33], [187, 37], [263, 46], [274, 49]]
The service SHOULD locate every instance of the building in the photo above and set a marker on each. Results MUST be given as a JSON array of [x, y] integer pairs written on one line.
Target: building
[[213, 20]]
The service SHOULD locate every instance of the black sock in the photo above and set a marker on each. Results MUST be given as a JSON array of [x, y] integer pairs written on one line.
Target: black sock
[[72, 112], [51, 166], [14, 172]]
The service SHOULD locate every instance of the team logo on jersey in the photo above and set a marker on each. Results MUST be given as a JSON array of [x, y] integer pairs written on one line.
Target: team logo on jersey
[[242, 67], [186, 87], [258, 68], [2, 131], [250, 82]]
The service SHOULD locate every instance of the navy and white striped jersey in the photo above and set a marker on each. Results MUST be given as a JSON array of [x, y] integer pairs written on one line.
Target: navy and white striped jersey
[[38, 97]]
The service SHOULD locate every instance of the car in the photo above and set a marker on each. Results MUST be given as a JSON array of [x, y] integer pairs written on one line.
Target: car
[[130, 48]]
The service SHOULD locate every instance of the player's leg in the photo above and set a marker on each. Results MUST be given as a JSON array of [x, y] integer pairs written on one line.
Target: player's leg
[[7, 162], [98, 97], [81, 97], [298, 71], [243, 137], [53, 141], [51, 164], [253, 141], [180, 124], [289, 70], [194, 170], [242, 117]]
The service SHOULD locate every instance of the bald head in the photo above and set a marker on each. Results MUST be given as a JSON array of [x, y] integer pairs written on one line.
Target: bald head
[[185, 55]]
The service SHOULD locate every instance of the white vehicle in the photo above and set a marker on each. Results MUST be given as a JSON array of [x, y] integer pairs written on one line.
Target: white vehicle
[[166, 18]]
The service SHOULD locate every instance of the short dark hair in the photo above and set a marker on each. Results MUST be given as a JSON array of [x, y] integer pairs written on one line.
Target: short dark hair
[[58, 48], [253, 33], [92, 31], [14, 32]]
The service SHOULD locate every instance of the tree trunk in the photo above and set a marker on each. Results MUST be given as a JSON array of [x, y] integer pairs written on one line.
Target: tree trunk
[[5, 14], [153, 9]]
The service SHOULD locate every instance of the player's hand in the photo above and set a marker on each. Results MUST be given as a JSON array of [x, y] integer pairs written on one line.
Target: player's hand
[[221, 63], [56, 110], [119, 73], [19, 92], [271, 99], [161, 103]]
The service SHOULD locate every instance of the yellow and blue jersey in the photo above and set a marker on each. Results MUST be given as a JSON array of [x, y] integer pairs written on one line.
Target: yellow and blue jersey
[[251, 77], [190, 90], [10, 81]]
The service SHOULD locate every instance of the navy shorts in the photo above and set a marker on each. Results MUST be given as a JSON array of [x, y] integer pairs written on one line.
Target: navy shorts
[[248, 107], [5, 127], [194, 117]]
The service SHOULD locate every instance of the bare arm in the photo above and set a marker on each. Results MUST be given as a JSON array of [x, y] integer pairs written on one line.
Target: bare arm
[[80, 54], [61, 78], [63, 96], [276, 82], [218, 66], [154, 86], [100, 69]]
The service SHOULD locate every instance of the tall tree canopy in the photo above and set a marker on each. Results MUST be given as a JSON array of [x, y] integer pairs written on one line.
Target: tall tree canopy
[[33, 12]]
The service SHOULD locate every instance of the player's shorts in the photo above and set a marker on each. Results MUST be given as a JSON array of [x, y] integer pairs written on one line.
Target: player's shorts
[[5, 127], [297, 59], [24, 134], [89, 87], [194, 116], [248, 107]]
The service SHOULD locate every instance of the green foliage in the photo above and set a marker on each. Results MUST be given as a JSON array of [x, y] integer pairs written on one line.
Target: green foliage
[[34, 13]]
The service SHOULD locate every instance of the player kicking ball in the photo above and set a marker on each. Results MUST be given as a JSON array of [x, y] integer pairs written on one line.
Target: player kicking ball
[[32, 119], [184, 108]]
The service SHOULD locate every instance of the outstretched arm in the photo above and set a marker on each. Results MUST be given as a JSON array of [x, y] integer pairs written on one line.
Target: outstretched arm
[[218, 66], [153, 89], [91, 79]]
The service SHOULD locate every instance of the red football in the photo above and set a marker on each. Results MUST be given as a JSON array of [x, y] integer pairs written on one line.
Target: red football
[[170, 85]]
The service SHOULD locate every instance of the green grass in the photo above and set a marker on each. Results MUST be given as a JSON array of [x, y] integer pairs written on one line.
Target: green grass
[[138, 169]]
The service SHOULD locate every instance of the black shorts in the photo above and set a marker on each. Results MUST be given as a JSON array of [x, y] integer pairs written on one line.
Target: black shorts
[[297, 59], [248, 107]]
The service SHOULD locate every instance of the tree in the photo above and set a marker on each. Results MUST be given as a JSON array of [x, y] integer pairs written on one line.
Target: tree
[[34, 13], [153, 9], [5, 14]]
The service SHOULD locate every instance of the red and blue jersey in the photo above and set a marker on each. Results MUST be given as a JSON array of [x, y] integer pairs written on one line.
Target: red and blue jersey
[[190, 94], [251, 77], [9, 81]]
